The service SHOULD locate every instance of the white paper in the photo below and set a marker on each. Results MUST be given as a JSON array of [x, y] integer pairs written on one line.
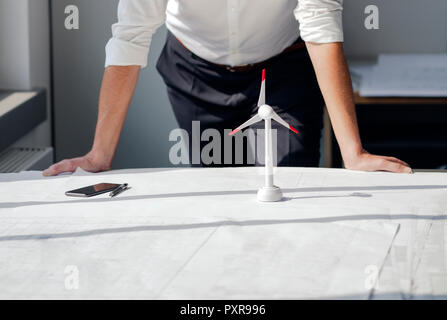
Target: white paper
[[201, 233]]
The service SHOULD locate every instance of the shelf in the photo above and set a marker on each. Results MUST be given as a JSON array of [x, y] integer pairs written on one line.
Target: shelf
[[397, 100], [20, 112]]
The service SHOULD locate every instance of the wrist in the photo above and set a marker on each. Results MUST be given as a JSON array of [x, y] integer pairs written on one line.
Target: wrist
[[352, 155], [100, 159]]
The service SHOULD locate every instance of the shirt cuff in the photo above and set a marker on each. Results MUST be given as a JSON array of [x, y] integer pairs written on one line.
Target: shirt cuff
[[124, 53], [321, 26]]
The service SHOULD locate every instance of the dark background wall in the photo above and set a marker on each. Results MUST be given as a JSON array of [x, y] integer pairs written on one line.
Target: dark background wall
[[406, 26]]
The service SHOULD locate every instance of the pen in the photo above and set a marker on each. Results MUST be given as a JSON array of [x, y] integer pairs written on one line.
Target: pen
[[118, 190]]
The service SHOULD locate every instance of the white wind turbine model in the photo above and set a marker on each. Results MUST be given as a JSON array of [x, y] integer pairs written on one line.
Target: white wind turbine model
[[269, 192]]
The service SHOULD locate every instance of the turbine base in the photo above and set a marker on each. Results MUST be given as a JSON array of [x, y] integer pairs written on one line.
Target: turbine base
[[269, 194]]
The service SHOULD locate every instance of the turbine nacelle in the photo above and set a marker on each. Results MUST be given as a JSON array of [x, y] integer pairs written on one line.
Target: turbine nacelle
[[265, 112]]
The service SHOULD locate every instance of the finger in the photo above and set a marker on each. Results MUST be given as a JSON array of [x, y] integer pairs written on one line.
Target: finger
[[409, 170], [61, 167], [393, 166], [397, 160]]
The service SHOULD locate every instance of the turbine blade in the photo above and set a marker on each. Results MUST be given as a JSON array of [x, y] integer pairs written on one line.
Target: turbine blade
[[261, 100], [249, 122], [282, 122]]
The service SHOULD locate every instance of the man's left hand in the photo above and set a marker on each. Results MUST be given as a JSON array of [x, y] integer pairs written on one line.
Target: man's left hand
[[370, 162]]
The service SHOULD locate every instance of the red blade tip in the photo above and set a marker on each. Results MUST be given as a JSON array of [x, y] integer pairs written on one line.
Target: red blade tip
[[293, 129], [263, 74], [234, 131]]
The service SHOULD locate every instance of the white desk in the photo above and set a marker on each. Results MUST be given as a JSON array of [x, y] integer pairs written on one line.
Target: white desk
[[201, 234]]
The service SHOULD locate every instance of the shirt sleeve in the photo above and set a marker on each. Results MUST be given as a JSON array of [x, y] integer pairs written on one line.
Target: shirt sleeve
[[320, 20], [132, 34]]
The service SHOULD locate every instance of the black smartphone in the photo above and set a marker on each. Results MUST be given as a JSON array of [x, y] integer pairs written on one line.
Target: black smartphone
[[93, 190]]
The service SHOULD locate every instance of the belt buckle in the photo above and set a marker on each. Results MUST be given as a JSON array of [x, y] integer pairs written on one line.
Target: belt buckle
[[240, 68]]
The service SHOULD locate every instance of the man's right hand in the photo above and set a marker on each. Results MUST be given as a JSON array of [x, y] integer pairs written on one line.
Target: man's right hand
[[88, 163], [118, 86]]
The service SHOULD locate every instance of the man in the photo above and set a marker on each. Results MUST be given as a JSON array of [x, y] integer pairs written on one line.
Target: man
[[212, 62]]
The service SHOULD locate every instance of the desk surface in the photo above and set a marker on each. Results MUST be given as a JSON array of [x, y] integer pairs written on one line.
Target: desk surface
[[200, 233], [368, 63]]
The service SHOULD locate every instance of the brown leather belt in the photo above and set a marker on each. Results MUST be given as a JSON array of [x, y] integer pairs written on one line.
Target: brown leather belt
[[298, 45]]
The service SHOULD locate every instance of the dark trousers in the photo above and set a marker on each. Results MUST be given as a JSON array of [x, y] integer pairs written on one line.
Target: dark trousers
[[220, 99]]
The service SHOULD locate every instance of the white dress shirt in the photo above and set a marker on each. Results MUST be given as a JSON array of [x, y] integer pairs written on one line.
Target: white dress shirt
[[229, 32]]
